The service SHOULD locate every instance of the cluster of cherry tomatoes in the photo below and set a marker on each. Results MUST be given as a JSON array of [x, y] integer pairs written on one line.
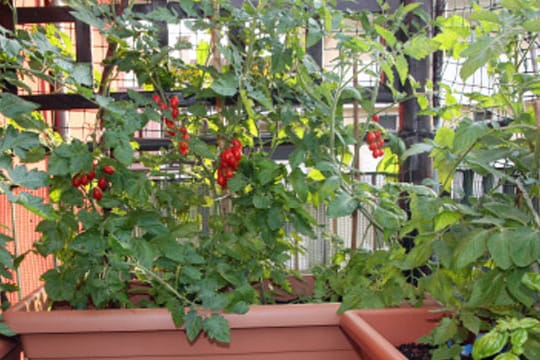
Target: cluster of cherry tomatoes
[[375, 140], [82, 180], [170, 123], [228, 162]]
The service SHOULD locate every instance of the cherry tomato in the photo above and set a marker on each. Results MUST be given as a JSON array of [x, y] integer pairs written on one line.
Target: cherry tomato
[[183, 148], [222, 181], [373, 146], [97, 194], [227, 157], [175, 112], [102, 183], [76, 181], [228, 172], [174, 102], [377, 134], [236, 144], [108, 169], [84, 180], [370, 137], [156, 98], [237, 153], [91, 175], [375, 118]]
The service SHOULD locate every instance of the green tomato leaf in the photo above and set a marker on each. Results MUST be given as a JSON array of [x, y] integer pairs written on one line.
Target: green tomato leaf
[[225, 85], [343, 205], [217, 328], [499, 248], [193, 323]]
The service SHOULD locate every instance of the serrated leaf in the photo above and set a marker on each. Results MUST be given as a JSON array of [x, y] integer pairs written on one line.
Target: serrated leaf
[[82, 74], [217, 328], [193, 323], [344, 204], [470, 248], [445, 219], [532, 281], [498, 246], [523, 248], [387, 35], [13, 106], [35, 205], [467, 134], [416, 149], [32, 179], [445, 331], [471, 322], [225, 85]]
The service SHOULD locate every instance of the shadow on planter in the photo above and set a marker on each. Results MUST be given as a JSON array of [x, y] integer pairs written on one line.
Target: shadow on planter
[[10, 348], [377, 332]]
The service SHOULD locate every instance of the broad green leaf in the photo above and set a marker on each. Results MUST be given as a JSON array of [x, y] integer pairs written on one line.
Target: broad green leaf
[[35, 205], [478, 54], [82, 74], [32, 179], [298, 181], [506, 356], [418, 47], [470, 248], [316, 174], [402, 67], [387, 35], [445, 219], [418, 148], [445, 331], [518, 290], [261, 201], [489, 344], [225, 85], [343, 205], [467, 134], [499, 248], [523, 247], [471, 322], [13, 106], [532, 281]]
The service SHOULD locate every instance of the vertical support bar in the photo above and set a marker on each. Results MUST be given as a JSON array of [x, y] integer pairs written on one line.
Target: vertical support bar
[[414, 128], [468, 177]]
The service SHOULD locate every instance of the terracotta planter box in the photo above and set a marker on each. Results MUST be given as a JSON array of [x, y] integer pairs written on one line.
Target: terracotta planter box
[[377, 332], [285, 332]]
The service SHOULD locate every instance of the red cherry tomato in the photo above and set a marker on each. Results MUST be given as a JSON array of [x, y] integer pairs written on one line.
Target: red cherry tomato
[[91, 175], [375, 118], [76, 181], [156, 98], [102, 183], [237, 153], [174, 102], [236, 143], [370, 137], [84, 180], [108, 169], [97, 194]]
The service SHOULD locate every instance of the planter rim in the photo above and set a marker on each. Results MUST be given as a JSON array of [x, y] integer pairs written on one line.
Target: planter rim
[[373, 342], [28, 317]]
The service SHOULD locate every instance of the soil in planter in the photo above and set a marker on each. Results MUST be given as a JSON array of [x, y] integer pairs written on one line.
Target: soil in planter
[[413, 351]]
